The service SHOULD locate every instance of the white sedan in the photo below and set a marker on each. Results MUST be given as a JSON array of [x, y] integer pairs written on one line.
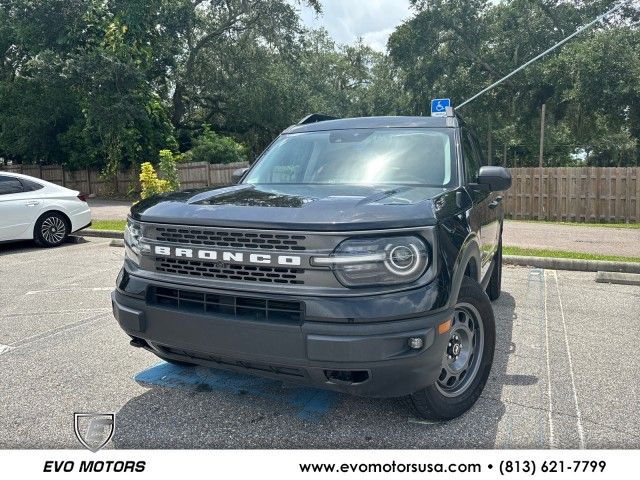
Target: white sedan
[[31, 208]]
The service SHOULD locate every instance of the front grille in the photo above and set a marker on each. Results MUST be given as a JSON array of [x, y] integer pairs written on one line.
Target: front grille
[[235, 239], [243, 308], [225, 271]]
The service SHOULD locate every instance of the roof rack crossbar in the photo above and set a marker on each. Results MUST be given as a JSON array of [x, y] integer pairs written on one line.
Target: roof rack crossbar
[[316, 117]]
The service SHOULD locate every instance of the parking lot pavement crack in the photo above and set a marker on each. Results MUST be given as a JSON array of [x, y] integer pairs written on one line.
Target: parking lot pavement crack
[[50, 333]]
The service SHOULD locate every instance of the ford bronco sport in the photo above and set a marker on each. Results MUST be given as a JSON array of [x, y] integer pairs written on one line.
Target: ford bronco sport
[[358, 255]]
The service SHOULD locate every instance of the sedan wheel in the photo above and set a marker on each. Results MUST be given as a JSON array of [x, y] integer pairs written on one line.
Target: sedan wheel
[[51, 230]]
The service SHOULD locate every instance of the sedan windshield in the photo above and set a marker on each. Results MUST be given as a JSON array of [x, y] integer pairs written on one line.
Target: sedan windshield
[[359, 156]]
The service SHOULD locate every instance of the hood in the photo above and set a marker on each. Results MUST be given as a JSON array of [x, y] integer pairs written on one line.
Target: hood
[[297, 207]]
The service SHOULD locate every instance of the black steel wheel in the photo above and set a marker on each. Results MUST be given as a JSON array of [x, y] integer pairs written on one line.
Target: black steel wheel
[[466, 361], [464, 351]]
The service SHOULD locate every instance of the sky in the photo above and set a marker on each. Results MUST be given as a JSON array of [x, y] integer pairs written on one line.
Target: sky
[[346, 20]]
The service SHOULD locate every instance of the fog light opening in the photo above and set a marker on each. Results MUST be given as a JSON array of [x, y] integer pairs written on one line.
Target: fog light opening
[[415, 343]]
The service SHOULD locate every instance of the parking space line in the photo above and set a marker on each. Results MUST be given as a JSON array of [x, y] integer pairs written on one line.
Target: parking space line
[[50, 333], [573, 382], [546, 333], [56, 290], [4, 348], [54, 312]]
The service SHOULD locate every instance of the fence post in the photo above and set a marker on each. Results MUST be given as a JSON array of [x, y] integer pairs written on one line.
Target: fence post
[[541, 160]]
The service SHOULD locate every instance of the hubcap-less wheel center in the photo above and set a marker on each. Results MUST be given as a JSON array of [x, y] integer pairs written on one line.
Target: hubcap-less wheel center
[[454, 348]]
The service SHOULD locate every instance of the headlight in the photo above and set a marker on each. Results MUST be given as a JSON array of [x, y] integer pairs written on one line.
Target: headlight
[[378, 261], [132, 234]]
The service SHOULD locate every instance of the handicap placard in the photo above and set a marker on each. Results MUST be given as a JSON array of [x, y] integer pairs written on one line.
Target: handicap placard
[[439, 107]]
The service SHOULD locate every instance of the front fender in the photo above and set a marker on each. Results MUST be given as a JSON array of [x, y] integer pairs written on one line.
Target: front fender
[[468, 258]]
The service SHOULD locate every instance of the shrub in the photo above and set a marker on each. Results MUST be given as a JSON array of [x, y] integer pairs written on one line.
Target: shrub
[[150, 183], [168, 170], [213, 148]]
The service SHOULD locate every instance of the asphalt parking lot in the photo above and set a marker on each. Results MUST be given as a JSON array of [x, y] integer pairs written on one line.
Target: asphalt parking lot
[[565, 372]]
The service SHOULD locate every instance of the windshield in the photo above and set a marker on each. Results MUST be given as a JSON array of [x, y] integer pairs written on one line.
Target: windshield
[[359, 156]]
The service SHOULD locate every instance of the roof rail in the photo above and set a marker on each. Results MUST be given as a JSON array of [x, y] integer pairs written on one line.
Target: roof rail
[[316, 117]]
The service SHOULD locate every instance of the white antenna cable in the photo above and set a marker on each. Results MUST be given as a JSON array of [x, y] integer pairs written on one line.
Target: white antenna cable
[[561, 42]]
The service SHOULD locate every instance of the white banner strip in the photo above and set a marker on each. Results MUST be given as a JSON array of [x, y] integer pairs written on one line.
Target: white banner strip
[[356, 464]]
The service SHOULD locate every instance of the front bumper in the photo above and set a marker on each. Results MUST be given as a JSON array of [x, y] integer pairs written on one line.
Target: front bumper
[[369, 359]]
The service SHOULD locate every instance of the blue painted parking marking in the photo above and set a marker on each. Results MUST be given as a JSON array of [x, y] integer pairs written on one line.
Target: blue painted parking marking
[[311, 403]]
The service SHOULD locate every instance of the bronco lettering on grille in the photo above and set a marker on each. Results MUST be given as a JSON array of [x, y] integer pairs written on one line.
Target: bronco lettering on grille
[[226, 256]]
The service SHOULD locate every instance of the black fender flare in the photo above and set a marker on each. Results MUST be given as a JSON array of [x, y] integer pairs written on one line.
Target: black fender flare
[[469, 252]]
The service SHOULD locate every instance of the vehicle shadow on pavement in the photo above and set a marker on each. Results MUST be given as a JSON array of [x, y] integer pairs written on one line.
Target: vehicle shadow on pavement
[[25, 246], [207, 408]]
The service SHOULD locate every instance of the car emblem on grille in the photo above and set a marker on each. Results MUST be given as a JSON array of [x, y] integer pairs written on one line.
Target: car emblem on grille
[[228, 257]]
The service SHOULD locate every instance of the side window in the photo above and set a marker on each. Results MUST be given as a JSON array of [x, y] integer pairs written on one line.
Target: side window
[[470, 157], [30, 186], [10, 185]]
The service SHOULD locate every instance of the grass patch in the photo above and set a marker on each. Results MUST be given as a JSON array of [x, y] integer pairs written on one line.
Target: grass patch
[[582, 224], [540, 252], [115, 225]]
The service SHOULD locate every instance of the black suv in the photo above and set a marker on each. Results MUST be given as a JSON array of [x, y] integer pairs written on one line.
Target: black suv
[[358, 255]]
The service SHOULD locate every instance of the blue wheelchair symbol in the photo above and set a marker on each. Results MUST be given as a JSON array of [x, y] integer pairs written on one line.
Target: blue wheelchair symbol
[[439, 107]]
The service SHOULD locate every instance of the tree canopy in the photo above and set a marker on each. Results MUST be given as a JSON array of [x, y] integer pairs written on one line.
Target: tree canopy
[[110, 83]]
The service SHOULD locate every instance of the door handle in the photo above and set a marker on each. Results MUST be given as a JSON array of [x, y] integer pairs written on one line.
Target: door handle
[[496, 202]]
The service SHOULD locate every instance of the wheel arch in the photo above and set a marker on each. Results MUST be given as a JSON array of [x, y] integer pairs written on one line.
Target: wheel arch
[[467, 264]]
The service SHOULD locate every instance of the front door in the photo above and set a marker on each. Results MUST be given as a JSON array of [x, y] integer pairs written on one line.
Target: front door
[[483, 217], [18, 208]]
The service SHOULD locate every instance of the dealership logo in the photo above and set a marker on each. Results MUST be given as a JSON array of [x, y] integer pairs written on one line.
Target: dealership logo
[[228, 257], [94, 430]]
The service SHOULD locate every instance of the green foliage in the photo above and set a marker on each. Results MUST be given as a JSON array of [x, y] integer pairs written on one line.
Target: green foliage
[[590, 86], [108, 85], [150, 184], [213, 148], [168, 170]]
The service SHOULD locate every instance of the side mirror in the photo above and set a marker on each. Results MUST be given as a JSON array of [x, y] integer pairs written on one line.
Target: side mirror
[[238, 173], [495, 178]]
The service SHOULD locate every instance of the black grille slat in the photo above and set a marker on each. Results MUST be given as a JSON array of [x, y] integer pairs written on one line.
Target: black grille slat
[[197, 268], [248, 308], [213, 238]]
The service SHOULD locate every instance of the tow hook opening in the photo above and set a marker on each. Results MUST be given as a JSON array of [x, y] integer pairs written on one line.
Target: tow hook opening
[[137, 342], [351, 377]]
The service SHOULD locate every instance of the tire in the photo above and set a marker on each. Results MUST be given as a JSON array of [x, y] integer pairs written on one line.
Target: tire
[[447, 398], [495, 282], [51, 230]]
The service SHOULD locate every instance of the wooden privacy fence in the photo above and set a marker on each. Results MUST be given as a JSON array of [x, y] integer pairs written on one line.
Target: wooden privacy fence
[[581, 194], [192, 175]]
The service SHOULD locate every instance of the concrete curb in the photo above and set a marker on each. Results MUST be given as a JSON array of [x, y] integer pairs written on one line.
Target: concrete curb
[[572, 264], [100, 233], [618, 278]]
